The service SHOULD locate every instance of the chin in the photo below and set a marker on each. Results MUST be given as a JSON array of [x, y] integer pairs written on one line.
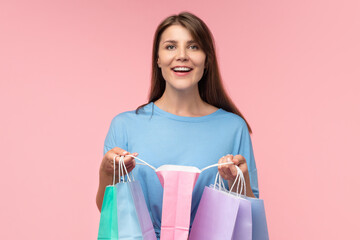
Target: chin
[[181, 86]]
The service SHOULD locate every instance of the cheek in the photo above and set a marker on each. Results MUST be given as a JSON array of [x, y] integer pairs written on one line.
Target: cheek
[[164, 59], [199, 61]]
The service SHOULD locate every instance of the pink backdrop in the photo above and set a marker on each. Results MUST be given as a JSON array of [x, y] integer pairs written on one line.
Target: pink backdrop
[[68, 67]]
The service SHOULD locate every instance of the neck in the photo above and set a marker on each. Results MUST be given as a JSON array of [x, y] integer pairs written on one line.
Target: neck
[[182, 103]]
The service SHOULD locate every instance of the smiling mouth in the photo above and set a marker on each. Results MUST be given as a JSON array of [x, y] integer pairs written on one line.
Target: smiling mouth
[[182, 69]]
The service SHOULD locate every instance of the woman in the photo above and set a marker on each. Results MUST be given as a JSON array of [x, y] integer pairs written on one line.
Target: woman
[[189, 119]]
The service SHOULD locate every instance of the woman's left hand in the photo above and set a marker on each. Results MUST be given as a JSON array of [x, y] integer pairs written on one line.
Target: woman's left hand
[[229, 171]]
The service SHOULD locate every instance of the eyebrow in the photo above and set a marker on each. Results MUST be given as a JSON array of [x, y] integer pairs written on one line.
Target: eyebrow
[[174, 41]]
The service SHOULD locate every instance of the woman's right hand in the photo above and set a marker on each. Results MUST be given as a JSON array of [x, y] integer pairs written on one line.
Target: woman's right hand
[[107, 164]]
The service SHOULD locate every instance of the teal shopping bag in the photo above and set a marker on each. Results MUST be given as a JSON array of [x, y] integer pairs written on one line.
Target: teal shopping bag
[[108, 227]]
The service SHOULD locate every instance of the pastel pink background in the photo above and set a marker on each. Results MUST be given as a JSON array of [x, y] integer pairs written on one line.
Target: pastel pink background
[[68, 67]]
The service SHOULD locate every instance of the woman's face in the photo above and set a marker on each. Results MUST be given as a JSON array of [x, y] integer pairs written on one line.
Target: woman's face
[[177, 48]]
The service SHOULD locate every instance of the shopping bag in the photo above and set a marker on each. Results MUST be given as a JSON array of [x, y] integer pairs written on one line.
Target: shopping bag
[[142, 211], [178, 183], [259, 225], [215, 217], [257, 222], [222, 215], [243, 224], [128, 222], [108, 227]]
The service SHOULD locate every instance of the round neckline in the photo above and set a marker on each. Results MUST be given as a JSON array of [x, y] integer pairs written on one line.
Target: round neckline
[[184, 118]]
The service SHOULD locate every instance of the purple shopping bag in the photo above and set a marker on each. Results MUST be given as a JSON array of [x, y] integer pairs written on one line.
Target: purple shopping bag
[[142, 211], [243, 225], [222, 215], [215, 217]]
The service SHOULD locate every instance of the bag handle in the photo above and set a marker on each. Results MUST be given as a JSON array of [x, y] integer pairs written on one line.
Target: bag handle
[[122, 170], [215, 165], [240, 179], [205, 168], [220, 181], [239, 176], [146, 164], [143, 162], [114, 170]]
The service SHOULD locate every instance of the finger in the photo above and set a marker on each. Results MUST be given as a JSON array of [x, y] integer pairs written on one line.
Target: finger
[[233, 171], [130, 165], [222, 171], [238, 159], [219, 167], [130, 168], [226, 168], [129, 159], [116, 156], [119, 151], [221, 160]]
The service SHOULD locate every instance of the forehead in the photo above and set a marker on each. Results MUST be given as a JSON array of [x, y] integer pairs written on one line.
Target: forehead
[[177, 33]]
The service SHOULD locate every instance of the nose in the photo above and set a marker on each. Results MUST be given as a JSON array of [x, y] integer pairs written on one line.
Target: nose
[[182, 54]]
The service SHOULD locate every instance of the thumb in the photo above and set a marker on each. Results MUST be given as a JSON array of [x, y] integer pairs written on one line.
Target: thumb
[[238, 159]]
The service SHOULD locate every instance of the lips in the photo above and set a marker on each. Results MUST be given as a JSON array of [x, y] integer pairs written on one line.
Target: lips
[[182, 67], [182, 73]]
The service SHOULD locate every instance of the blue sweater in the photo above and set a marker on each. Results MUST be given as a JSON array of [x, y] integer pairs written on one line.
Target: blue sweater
[[163, 138]]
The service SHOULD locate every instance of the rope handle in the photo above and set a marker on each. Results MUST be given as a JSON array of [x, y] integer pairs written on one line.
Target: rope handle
[[239, 176], [114, 170], [143, 162], [146, 164], [122, 166], [240, 179]]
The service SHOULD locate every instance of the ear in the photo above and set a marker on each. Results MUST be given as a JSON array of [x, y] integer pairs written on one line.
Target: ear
[[158, 63]]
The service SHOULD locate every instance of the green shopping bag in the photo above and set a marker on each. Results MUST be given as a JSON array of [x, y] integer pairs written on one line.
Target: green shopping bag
[[108, 227]]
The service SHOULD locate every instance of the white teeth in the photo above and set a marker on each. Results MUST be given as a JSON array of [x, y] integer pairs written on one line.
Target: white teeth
[[182, 69]]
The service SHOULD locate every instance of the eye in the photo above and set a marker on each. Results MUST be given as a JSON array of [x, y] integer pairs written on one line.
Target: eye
[[167, 47], [196, 47]]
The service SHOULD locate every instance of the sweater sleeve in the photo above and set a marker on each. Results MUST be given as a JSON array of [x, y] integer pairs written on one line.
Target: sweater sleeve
[[117, 135], [246, 150]]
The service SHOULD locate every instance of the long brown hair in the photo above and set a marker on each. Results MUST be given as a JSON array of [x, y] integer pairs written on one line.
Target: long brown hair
[[211, 88]]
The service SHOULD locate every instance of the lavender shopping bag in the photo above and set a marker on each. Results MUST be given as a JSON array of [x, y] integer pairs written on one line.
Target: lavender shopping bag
[[243, 224], [142, 211], [219, 213], [215, 217]]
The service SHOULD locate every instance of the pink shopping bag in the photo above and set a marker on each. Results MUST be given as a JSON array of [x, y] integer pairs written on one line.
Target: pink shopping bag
[[178, 183]]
